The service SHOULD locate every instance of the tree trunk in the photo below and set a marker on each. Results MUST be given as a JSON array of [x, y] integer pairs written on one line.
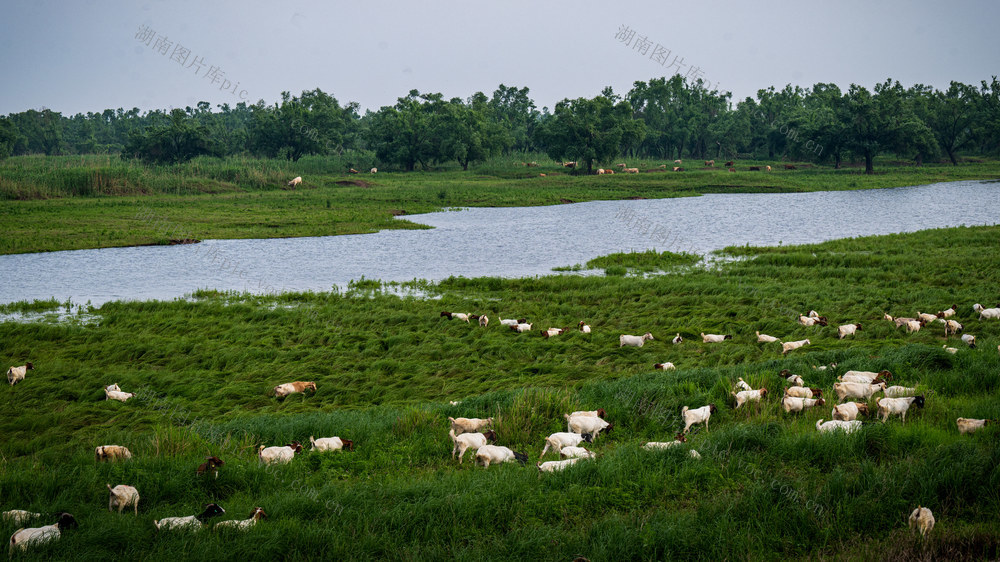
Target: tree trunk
[[590, 166], [869, 169], [836, 157], [951, 154]]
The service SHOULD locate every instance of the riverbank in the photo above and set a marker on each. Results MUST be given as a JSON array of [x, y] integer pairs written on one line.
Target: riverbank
[[69, 203], [386, 367]]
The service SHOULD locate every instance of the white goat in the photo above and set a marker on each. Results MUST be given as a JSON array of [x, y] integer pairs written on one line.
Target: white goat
[[849, 411], [557, 441], [330, 444], [898, 406], [991, 313], [122, 496], [654, 445], [698, 415], [847, 330], [17, 374], [469, 425], [584, 327], [576, 452], [634, 341], [791, 378], [466, 441], [856, 390], [914, 326], [494, 454], [677, 339], [23, 538], [598, 413], [280, 455], [865, 376], [555, 466], [949, 312], [969, 340], [714, 338], [588, 424], [764, 338], [191, 522], [951, 327], [117, 395], [922, 520], [793, 404], [20, 517], [295, 181], [793, 345], [954, 350], [838, 425], [926, 318], [668, 366], [745, 396], [969, 425], [521, 328], [803, 392], [742, 384], [245, 524], [111, 453]]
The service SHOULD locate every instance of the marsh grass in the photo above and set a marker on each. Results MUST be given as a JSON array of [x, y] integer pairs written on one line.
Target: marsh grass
[[387, 365]]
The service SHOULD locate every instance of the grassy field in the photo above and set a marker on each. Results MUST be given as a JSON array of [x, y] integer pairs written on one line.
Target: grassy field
[[768, 486], [67, 203]]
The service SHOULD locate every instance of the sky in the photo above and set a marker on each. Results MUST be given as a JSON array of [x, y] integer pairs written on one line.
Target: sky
[[87, 55]]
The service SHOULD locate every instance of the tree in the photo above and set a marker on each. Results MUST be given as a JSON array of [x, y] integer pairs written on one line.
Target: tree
[[590, 130], [882, 122], [8, 137], [178, 141]]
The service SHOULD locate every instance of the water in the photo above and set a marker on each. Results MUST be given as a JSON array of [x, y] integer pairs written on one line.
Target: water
[[507, 242]]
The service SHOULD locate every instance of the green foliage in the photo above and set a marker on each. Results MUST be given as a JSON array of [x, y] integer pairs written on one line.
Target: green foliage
[[180, 141]]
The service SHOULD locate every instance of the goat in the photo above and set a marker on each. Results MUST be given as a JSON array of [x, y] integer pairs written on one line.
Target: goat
[[834, 425], [584, 327], [521, 328], [709, 163], [677, 339], [552, 332], [117, 395], [20, 516], [865, 376], [951, 327], [847, 330], [484, 321], [295, 181], [793, 404], [17, 374], [714, 338], [812, 320], [459, 315], [557, 441], [803, 392], [111, 452], [211, 464], [969, 340], [984, 313], [122, 496], [374, 171], [598, 413], [281, 455], [592, 425], [927, 318], [284, 390], [330, 444], [245, 524], [191, 522], [634, 341], [856, 389], [510, 321], [948, 313], [22, 538], [742, 384], [466, 441], [922, 521], [764, 338], [915, 325], [488, 454], [576, 453], [668, 366], [469, 425], [969, 425], [793, 345], [791, 378], [554, 466], [891, 406], [849, 411], [678, 440], [698, 415], [745, 396]]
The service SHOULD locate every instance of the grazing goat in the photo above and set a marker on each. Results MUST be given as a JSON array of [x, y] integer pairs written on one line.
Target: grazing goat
[[111, 453], [634, 341], [352, 171], [709, 163], [280, 455], [768, 168], [839, 425], [245, 524], [679, 440], [459, 315], [552, 332], [16, 374], [114, 387], [969, 340], [898, 406], [330, 444], [764, 338], [745, 396], [847, 330], [469, 425], [191, 522], [23, 538], [865, 376], [374, 171], [521, 328], [511, 321], [849, 411], [462, 443], [117, 395], [793, 404], [812, 321], [698, 415], [598, 413], [803, 392], [576, 453], [926, 318], [951, 327], [557, 441], [791, 378], [283, 390], [584, 327], [899, 391], [122, 496], [949, 312], [678, 162], [714, 338], [899, 321], [857, 389], [592, 425], [793, 345], [990, 313], [484, 321], [20, 516], [211, 464], [677, 339], [915, 325], [494, 454], [954, 350], [555, 466], [295, 182], [922, 521], [668, 366], [630, 170], [969, 425], [742, 384]]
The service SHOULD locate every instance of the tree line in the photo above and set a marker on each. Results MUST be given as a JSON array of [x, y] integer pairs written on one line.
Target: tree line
[[665, 118]]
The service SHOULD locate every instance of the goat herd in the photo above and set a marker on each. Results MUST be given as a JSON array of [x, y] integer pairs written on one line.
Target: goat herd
[[582, 426]]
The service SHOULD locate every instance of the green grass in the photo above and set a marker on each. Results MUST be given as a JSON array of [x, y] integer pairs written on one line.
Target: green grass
[[77, 202], [767, 486]]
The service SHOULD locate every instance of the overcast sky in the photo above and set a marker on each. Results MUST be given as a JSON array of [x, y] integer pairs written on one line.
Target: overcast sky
[[83, 55]]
